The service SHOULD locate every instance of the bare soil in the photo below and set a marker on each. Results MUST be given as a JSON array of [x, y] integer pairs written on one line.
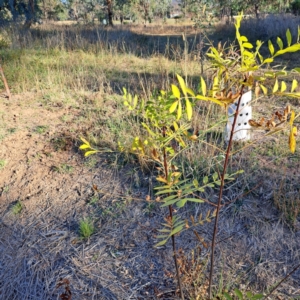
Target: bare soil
[[57, 187]]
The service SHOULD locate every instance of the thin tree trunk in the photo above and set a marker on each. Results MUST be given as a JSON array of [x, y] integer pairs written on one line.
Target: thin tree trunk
[[29, 14], [256, 11], [109, 12]]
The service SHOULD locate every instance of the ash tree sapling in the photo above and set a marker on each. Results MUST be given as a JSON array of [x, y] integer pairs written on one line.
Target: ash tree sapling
[[167, 122]]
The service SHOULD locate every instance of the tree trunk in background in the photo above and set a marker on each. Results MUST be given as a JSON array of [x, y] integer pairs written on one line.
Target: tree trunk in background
[[13, 10], [29, 14], [256, 11], [109, 12]]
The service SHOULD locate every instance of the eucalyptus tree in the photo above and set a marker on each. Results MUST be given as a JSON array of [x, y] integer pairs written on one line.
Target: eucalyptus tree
[[22, 9]]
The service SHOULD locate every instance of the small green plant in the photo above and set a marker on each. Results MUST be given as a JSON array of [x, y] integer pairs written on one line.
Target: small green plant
[[86, 228], [91, 162], [17, 208], [238, 295], [11, 130], [41, 129], [63, 169], [93, 200], [5, 189], [3, 163]]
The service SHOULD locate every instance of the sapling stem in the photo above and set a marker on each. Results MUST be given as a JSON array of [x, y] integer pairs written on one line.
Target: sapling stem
[[171, 217], [213, 245]]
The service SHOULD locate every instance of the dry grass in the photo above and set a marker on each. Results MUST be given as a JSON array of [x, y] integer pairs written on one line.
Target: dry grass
[[67, 82]]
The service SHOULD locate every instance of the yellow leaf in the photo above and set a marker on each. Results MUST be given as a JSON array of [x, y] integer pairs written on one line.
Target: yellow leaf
[[268, 60], [294, 85], [88, 153], [173, 106], [283, 86], [215, 86], [279, 43], [85, 141], [248, 53], [295, 95], [179, 111], [260, 57], [190, 92], [238, 21], [210, 99], [176, 174], [162, 179], [189, 109], [203, 86], [176, 127], [275, 88], [193, 137], [175, 91], [248, 45], [182, 84], [271, 47], [292, 117], [293, 48], [84, 146], [264, 89], [292, 140], [243, 38], [135, 101]]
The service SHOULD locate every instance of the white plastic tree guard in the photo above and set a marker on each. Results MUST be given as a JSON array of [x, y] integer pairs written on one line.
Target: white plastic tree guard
[[242, 127]]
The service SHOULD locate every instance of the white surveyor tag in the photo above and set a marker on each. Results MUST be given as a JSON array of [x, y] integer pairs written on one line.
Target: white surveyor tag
[[242, 127]]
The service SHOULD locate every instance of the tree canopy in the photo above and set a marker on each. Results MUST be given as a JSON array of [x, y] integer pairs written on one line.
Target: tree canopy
[[30, 11]]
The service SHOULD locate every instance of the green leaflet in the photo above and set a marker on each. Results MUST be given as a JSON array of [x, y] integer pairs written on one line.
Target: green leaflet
[[239, 294], [289, 37]]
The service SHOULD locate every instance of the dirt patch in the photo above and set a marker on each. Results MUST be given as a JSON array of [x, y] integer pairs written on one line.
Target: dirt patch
[[41, 243]]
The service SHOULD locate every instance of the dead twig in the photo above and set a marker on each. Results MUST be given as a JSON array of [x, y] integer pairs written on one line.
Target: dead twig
[[281, 281]]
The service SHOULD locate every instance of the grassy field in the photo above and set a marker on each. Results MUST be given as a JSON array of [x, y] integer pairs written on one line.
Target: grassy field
[[84, 223]]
